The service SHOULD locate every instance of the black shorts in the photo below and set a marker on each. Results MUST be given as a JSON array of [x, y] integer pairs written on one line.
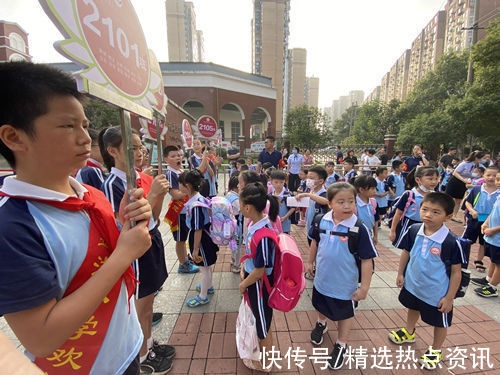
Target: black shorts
[[333, 308], [181, 234], [134, 368], [493, 252], [473, 231], [208, 250], [259, 304], [456, 188], [429, 314], [150, 269], [381, 210]]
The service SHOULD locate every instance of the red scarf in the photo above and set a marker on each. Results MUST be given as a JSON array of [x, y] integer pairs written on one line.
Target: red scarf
[[79, 352]]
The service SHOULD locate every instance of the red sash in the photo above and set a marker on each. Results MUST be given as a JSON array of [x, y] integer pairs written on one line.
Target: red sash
[[91, 164], [174, 209], [77, 355]]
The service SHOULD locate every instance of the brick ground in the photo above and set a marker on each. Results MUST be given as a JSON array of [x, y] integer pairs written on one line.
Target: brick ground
[[206, 343]]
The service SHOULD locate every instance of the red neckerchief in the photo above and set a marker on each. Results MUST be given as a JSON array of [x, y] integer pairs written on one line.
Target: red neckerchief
[[92, 164], [79, 352]]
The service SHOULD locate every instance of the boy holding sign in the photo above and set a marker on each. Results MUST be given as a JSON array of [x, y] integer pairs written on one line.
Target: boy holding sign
[[65, 275]]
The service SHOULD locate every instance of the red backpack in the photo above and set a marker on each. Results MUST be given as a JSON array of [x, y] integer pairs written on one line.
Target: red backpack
[[288, 270]]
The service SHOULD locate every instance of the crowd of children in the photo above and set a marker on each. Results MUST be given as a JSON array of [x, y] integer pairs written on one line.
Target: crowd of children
[[77, 254]]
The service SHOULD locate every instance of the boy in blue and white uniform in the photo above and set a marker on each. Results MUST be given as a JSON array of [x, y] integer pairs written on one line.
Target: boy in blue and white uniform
[[382, 193], [350, 173], [332, 175], [279, 191], [428, 288], [396, 182]]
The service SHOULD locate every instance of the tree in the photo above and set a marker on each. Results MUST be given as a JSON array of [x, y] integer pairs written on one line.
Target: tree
[[307, 127], [343, 126], [101, 115]]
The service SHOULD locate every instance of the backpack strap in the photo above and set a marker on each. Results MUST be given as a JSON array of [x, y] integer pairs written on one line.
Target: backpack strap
[[409, 201], [373, 202], [256, 238], [476, 198]]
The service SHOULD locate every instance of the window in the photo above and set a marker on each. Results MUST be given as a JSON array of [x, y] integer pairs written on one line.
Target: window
[[17, 42], [221, 126], [235, 130]]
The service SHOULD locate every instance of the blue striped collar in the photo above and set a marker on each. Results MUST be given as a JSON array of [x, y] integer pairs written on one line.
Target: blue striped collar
[[259, 224]]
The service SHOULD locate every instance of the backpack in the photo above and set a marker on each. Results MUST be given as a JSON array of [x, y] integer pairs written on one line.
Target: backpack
[[411, 199], [373, 203], [352, 242], [223, 226], [288, 270], [448, 244]]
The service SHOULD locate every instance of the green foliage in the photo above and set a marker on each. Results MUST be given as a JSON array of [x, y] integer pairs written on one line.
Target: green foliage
[[308, 128], [101, 115]]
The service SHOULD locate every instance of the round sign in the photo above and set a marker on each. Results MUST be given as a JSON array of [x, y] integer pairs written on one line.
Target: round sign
[[207, 126], [115, 38], [152, 128], [186, 131]]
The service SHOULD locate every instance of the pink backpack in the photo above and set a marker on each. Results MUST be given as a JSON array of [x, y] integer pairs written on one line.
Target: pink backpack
[[288, 270]]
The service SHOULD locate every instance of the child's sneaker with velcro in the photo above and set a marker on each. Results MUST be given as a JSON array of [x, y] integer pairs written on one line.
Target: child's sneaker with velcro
[[401, 336], [337, 357], [487, 291], [317, 333], [431, 359], [155, 365]]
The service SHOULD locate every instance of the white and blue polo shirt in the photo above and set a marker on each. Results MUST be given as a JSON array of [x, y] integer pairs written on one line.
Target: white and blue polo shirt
[[397, 183], [381, 189], [365, 213], [42, 249], [90, 175], [337, 274], [494, 222], [484, 203], [426, 276], [264, 255], [314, 208]]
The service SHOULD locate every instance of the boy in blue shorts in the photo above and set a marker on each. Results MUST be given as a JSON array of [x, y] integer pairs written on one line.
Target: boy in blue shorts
[[176, 213], [66, 280], [428, 288]]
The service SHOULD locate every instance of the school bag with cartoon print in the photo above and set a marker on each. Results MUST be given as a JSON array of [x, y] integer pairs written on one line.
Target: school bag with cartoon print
[[449, 243], [223, 225], [352, 239]]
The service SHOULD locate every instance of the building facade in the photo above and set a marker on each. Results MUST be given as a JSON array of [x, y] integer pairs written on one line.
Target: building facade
[[297, 58], [185, 42], [13, 42], [312, 91], [270, 31]]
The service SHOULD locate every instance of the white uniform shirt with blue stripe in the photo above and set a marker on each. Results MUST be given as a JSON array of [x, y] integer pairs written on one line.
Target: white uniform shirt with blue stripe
[[42, 249], [426, 276], [365, 213], [494, 221], [336, 270], [264, 255], [398, 184], [381, 186], [485, 202]]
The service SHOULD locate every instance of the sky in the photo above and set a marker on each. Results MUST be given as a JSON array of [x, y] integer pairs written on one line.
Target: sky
[[350, 44]]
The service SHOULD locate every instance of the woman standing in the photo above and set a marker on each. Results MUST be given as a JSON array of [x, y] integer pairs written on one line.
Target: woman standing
[[456, 186], [295, 162], [308, 159], [351, 156]]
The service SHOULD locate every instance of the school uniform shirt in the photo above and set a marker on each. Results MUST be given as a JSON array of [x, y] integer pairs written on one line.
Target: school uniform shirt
[[445, 176], [295, 162], [351, 174], [494, 221], [425, 275], [265, 252], [286, 226], [333, 178], [199, 219], [114, 188], [365, 212], [172, 176], [381, 189], [465, 169], [484, 203], [336, 271], [397, 183], [413, 211], [303, 185], [92, 174], [42, 249], [314, 208]]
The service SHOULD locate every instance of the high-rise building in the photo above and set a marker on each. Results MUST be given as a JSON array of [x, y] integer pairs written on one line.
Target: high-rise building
[[403, 66], [297, 59], [356, 97], [13, 42], [270, 45], [185, 43], [384, 87], [374, 95], [335, 110], [312, 92]]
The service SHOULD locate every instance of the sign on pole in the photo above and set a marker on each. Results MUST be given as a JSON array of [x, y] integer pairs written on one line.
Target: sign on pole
[[207, 126], [187, 133]]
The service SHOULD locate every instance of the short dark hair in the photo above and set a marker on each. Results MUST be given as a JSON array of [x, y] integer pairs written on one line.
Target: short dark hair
[[442, 199], [240, 161], [396, 164], [233, 182], [320, 171], [244, 167], [330, 163], [493, 168], [278, 175], [337, 187], [349, 161], [452, 149], [25, 91], [169, 149], [271, 138], [380, 170], [365, 182], [267, 165], [192, 177], [372, 151]]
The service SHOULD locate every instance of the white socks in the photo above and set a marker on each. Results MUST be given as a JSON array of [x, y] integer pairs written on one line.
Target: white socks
[[323, 322], [206, 281]]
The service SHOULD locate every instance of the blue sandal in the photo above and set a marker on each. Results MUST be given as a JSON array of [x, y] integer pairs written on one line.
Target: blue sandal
[[211, 290], [197, 301]]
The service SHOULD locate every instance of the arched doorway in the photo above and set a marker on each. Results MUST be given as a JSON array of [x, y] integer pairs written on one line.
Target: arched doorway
[[259, 123], [231, 121], [194, 108]]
